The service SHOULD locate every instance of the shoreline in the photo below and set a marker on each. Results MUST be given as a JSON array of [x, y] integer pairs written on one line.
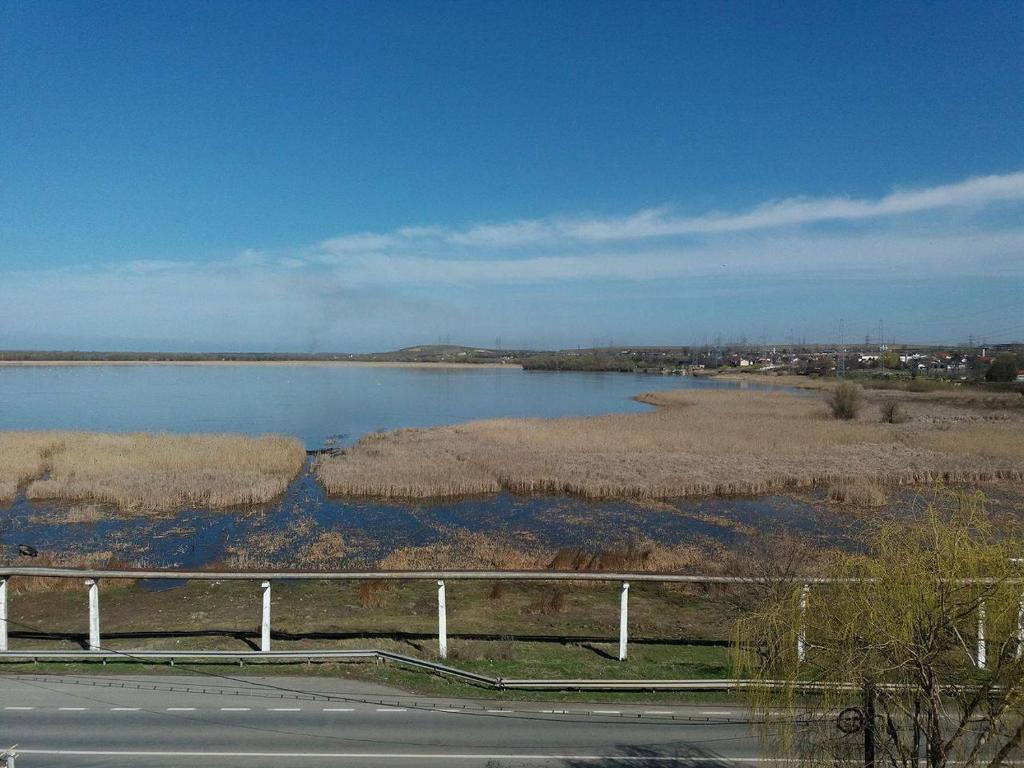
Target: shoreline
[[338, 363]]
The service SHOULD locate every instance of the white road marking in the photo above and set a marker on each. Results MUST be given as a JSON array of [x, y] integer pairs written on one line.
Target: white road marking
[[284, 709], [124, 709], [607, 712], [181, 709], [72, 709], [235, 709], [390, 709], [716, 712], [337, 709], [501, 711], [19, 708]]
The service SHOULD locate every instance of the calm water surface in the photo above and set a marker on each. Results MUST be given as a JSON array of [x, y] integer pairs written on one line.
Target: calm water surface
[[312, 402]]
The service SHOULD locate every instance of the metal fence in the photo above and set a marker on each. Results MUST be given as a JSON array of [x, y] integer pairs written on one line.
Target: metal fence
[[92, 579]]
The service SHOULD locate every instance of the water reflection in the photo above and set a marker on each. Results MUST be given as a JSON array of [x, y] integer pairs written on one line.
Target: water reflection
[[371, 530]]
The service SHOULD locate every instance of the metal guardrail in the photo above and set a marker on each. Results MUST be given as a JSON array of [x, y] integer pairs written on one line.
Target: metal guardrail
[[460, 575], [448, 575], [92, 578], [494, 683]]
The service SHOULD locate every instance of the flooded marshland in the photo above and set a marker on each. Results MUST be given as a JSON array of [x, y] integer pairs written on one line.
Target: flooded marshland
[[286, 532], [336, 404]]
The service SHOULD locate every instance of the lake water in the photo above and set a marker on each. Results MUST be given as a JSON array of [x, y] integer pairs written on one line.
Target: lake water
[[312, 402]]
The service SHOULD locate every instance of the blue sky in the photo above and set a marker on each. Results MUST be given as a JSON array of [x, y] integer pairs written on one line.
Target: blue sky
[[350, 176]]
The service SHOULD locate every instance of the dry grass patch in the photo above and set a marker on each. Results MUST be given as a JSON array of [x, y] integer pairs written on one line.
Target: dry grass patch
[[467, 550], [860, 492], [23, 457], [27, 584], [698, 443], [478, 551], [144, 472]]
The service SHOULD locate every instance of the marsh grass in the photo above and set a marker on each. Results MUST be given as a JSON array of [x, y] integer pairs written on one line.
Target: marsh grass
[[860, 492], [143, 472], [23, 457], [697, 443]]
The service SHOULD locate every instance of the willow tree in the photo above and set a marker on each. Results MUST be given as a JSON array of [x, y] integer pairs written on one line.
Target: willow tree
[[909, 655]]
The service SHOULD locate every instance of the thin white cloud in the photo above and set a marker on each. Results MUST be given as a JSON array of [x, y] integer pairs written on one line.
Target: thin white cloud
[[897, 256], [361, 242], [660, 223], [309, 296]]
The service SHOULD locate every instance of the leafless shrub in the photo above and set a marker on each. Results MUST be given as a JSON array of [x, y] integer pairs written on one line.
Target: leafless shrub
[[892, 412], [774, 564], [845, 401]]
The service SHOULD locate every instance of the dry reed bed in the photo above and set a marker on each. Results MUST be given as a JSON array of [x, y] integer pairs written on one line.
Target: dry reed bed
[[22, 457], [143, 472], [697, 443]]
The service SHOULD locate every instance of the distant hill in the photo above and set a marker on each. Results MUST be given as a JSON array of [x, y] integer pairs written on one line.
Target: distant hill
[[428, 353]]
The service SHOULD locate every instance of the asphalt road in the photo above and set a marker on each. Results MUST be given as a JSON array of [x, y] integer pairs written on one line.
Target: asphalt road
[[198, 721]]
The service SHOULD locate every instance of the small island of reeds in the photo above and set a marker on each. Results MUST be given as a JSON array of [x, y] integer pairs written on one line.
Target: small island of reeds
[[146, 472], [698, 443]]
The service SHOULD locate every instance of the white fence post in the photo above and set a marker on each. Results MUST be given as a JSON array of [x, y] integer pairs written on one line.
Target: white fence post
[[623, 619], [982, 650], [442, 623], [3, 614], [801, 635], [265, 626], [94, 614], [1020, 628]]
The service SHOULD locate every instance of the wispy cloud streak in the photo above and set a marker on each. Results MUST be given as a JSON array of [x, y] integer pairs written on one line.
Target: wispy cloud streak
[[660, 223], [344, 290]]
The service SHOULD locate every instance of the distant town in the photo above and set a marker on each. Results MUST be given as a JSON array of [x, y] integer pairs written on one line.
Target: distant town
[[995, 363]]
